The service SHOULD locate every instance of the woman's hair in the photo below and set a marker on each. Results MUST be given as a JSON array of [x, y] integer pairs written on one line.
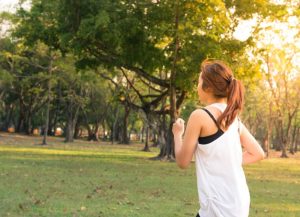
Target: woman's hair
[[218, 78]]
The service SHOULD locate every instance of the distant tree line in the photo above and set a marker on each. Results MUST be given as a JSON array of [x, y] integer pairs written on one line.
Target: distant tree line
[[118, 68]]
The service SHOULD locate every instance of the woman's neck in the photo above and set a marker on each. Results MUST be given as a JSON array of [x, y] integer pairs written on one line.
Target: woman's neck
[[216, 100]]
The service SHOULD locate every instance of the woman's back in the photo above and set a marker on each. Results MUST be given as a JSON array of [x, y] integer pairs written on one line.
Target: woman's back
[[222, 186]]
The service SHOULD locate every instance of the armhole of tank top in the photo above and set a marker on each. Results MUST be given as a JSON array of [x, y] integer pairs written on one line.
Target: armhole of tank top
[[210, 138]]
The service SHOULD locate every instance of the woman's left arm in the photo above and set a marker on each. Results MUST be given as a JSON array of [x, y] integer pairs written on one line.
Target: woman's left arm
[[185, 148]]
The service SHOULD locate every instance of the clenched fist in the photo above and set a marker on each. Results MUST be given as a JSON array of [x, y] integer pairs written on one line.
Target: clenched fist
[[178, 127]]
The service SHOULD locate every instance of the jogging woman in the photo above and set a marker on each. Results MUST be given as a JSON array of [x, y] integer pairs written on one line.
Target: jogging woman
[[216, 137]]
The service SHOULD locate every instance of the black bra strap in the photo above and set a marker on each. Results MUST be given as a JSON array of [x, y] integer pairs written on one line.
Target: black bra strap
[[212, 117]]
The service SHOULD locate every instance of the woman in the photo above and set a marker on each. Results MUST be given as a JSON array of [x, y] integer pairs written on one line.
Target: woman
[[215, 136]]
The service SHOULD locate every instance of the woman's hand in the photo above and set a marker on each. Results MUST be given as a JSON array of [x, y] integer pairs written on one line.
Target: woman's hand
[[178, 127]]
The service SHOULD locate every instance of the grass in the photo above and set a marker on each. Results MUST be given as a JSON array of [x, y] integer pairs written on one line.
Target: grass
[[104, 180]]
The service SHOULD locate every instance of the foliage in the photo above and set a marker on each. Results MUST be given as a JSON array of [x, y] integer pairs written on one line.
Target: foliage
[[112, 59]]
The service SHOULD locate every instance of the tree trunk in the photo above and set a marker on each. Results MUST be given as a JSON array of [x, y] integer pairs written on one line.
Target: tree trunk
[[162, 134], [111, 135], [146, 128], [297, 139], [155, 139], [46, 123], [269, 131], [20, 126], [168, 151], [28, 123], [283, 153], [286, 136], [114, 129], [277, 138], [69, 131], [265, 142], [52, 123], [93, 134], [48, 102], [90, 132], [77, 130], [125, 139], [283, 140], [9, 114], [71, 122], [57, 108], [142, 133], [294, 140], [146, 147]]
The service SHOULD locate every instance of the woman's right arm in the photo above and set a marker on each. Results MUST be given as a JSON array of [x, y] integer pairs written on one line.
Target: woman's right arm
[[253, 151]]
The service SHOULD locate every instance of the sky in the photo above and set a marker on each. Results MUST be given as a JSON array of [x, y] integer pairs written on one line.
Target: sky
[[7, 5]]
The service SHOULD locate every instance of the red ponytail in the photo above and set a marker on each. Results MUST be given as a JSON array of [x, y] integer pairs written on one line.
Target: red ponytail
[[219, 78]]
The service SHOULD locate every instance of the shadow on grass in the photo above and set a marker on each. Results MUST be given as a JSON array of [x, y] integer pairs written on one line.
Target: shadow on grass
[[100, 157], [107, 156]]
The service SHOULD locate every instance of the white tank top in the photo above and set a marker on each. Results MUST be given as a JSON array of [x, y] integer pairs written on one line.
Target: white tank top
[[221, 182]]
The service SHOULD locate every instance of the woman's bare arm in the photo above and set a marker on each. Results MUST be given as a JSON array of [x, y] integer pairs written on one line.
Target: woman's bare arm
[[253, 151], [185, 148]]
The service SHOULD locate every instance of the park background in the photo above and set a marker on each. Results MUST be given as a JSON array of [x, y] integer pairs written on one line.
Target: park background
[[89, 91]]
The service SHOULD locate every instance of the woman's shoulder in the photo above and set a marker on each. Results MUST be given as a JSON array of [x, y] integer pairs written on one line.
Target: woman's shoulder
[[198, 114]]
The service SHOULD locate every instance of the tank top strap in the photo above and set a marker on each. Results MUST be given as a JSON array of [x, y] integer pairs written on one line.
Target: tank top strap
[[211, 116]]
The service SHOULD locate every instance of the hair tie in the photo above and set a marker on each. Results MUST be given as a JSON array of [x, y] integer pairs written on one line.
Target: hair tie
[[230, 79]]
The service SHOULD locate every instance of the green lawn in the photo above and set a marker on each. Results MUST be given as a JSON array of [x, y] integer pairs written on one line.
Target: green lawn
[[103, 180]]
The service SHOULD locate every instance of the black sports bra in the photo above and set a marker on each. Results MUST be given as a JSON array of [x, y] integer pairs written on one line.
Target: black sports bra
[[208, 139]]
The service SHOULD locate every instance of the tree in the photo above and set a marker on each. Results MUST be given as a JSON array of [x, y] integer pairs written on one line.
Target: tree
[[153, 44], [153, 38], [37, 26], [27, 87], [281, 74], [97, 107]]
